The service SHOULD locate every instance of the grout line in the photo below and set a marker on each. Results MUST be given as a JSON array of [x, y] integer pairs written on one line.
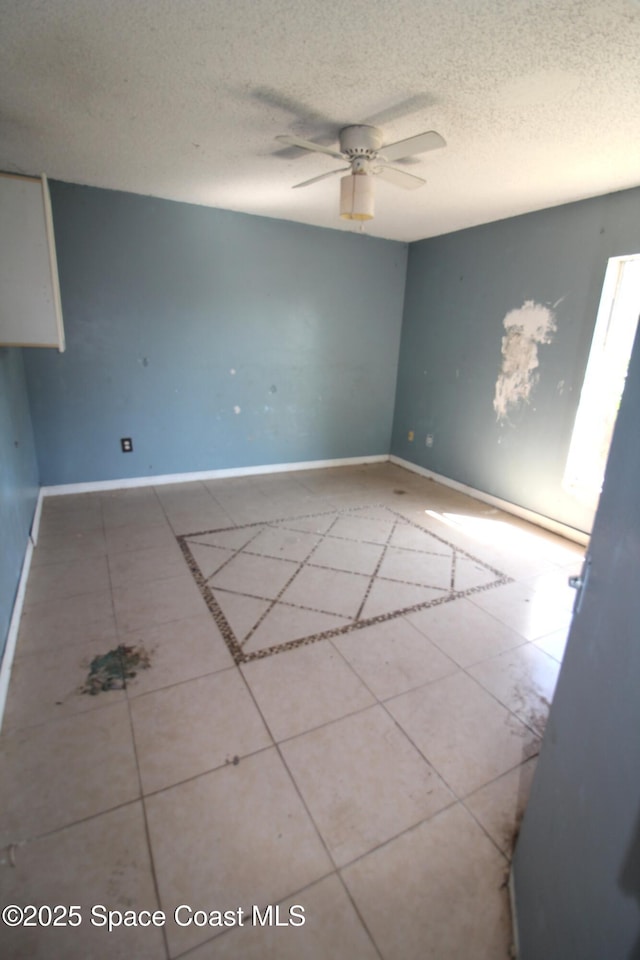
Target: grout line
[[462, 799], [152, 864], [507, 856], [294, 784], [320, 726], [235, 645], [228, 931], [374, 575], [209, 771], [358, 913], [516, 646], [217, 502], [301, 565], [134, 747], [497, 699], [340, 511], [177, 683], [452, 581], [36, 837], [11, 731], [353, 670], [284, 603], [234, 554], [413, 826], [420, 752]]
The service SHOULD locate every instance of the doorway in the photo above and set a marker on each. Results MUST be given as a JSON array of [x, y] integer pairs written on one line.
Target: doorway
[[604, 380]]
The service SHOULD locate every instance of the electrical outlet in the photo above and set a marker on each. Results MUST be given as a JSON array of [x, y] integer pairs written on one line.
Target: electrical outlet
[[429, 440], [127, 444], [410, 436]]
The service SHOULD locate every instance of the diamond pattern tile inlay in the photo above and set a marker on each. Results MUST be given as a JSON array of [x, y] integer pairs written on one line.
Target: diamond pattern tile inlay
[[279, 584]]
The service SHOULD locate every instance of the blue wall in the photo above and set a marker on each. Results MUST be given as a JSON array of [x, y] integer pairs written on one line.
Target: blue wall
[[18, 480], [162, 300], [459, 289]]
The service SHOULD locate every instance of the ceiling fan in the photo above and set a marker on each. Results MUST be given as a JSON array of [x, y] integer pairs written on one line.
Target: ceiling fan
[[361, 146]]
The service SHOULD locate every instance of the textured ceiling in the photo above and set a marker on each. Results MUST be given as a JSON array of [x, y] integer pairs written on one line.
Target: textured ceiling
[[538, 100]]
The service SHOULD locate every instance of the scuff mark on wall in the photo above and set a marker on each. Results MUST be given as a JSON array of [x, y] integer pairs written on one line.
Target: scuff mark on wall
[[526, 327]]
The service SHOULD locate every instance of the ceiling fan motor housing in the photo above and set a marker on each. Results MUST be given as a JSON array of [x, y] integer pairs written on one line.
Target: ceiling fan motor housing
[[360, 140]]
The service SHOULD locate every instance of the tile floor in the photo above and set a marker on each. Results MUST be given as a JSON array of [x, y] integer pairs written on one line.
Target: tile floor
[[350, 671]]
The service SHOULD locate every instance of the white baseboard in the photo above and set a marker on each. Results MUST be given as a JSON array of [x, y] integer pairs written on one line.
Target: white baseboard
[[97, 485], [562, 529], [35, 523], [12, 636]]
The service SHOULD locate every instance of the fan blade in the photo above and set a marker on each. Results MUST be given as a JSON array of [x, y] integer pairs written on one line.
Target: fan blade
[[323, 176], [418, 144], [308, 145], [399, 178]]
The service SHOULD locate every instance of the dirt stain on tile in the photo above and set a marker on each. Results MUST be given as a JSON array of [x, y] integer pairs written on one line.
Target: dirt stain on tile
[[111, 670]]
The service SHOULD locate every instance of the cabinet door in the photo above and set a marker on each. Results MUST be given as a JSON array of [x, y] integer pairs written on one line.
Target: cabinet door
[[30, 310]]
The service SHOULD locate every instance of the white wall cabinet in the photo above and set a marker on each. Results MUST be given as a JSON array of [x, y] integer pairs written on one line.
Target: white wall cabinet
[[30, 308]]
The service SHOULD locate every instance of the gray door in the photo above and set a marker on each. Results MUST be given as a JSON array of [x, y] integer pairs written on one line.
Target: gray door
[[576, 870]]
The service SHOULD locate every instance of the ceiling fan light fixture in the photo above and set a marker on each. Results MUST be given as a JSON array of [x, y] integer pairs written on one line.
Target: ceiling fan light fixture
[[356, 197]]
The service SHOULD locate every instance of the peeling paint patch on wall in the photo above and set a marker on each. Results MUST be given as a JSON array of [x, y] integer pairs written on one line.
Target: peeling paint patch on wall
[[525, 327]]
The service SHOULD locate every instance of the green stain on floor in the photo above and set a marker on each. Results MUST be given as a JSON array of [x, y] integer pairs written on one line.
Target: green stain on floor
[[110, 671]]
